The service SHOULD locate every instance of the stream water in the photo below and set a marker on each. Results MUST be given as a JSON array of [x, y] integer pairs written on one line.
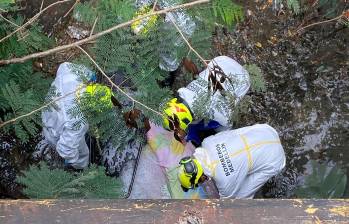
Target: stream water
[[307, 95]]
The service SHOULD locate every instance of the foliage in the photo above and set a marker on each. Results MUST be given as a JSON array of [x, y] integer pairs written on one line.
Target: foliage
[[228, 11], [326, 8], [323, 182], [19, 103], [21, 88], [201, 106], [105, 122], [294, 5], [227, 104], [44, 183], [256, 78], [137, 57]]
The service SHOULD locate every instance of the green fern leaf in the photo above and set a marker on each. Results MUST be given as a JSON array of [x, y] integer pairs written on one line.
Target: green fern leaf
[[48, 183]]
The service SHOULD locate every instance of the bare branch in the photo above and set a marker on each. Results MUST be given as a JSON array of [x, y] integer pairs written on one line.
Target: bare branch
[[322, 22], [76, 2], [154, 5], [93, 27], [9, 21], [30, 21], [37, 110], [95, 36], [116, 86], [187, 42], [42, 5]]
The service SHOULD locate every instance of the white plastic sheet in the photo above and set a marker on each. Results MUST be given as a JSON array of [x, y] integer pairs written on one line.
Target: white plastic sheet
[[240, 161]]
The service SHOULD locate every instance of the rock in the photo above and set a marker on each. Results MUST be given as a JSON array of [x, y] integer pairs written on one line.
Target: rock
[[77, 32]]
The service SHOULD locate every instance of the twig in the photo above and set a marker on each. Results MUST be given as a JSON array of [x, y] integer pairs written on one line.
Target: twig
[[9, 21], [187, 42], [116, 86], [102, 33], [36, 110], [154, 5], [322, 22], [42, 5], [23, 37], [93, 27], [30, 21], [76, 2]]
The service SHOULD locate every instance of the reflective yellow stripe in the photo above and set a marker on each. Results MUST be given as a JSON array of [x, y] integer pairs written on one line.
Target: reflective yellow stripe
[[247, 149], [212, 167]]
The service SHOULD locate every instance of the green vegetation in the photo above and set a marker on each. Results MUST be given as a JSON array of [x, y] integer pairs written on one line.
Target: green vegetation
[[44, 183], [257, 79], [21, 88], [323, 182], [136, 56]]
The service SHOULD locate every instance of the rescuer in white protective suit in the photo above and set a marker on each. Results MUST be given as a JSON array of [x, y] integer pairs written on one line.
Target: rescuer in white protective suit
[[59, 126], [228, 82], [239, 161]]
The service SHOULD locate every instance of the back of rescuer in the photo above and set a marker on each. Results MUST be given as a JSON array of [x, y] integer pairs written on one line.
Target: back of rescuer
[[239, 161]]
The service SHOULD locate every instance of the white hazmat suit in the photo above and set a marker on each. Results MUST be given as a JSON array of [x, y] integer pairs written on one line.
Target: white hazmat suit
[[59, 128], [240, 161], [238, 88]]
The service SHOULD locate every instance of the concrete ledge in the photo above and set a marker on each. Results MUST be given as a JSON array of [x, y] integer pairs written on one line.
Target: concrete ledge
[[175, 211]]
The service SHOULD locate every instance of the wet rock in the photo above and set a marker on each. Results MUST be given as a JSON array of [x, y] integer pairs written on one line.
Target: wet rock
[[302, 84], [77, 32]]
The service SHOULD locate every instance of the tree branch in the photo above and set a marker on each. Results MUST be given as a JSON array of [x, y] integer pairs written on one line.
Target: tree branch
[[116, 86], [36, 110], [100, 34], [321, 22], [76, 2], [9, 21], [187, 42], [93, 27], [30, 21], [42, 5]]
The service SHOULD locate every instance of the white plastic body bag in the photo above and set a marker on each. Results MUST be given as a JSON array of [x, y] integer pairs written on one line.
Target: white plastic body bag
[[240, 161], [239, 87], [58, 126]]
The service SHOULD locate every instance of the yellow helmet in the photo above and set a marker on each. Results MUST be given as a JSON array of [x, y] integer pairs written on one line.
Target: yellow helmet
[[103, 92], [189, 173], [174, 111]]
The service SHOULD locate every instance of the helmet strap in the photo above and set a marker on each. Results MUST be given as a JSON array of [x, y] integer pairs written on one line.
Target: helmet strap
[[188, 161]]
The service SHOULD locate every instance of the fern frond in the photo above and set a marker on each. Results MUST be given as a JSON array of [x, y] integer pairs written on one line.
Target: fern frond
[[294, 5], [258, 83], [44, 183], [18, 103], [228, 11]]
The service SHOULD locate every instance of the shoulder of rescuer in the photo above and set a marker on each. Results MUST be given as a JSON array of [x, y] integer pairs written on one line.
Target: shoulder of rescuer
[[229, 157], [178, 116]]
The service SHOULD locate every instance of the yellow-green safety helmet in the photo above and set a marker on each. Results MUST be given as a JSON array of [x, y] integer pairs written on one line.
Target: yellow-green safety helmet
[[189, 173], [103, 92], [175, 110]]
